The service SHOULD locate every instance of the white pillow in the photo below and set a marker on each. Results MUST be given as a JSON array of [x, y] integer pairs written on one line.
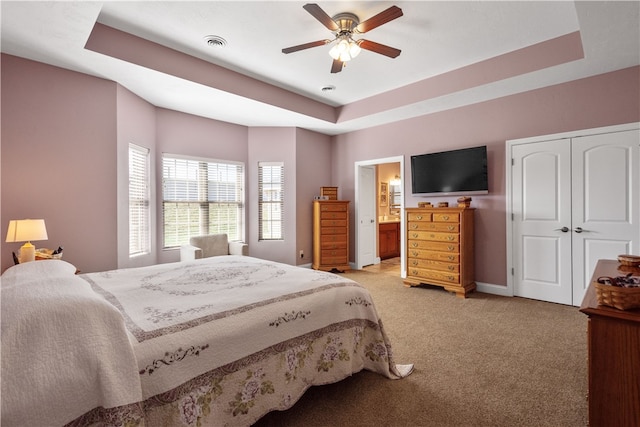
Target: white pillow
[[40, 269]]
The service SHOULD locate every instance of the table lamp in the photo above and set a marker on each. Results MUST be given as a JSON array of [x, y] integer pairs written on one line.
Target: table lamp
[[27, 230]]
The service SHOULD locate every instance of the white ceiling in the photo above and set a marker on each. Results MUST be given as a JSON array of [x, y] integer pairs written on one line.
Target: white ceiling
[[435, 38]]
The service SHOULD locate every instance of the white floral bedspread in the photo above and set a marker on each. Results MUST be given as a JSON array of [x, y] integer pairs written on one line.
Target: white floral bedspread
[[224, 340]]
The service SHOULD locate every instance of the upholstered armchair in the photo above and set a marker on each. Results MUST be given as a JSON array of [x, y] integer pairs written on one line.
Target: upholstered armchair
[[211, 245]]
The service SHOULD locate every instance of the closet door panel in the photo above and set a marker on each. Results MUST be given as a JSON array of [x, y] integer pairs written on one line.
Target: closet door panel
[[541, 205], [605, 201]]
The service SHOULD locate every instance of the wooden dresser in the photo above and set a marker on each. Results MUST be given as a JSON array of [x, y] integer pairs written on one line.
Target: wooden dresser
[[331, 235], [440, 248], [614, 356]]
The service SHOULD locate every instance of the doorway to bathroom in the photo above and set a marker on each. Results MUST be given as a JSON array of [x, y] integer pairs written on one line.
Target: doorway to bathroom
[[379, 206]]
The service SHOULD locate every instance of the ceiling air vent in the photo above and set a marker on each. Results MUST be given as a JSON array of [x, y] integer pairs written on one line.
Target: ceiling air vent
[[328, 89], [215, 41]]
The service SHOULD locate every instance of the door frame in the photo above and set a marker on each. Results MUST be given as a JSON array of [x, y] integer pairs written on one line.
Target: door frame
[[375, 162], [509, 189]]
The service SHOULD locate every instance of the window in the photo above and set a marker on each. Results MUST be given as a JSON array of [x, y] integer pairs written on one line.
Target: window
[[139, 213], [201, 197], [270, 200]]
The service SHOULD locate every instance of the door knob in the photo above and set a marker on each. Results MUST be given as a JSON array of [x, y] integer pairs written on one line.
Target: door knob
[[579, 230], [563, 229]]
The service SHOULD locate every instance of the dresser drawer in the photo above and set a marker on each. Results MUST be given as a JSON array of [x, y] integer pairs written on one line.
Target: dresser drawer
[[333, 223], [441, 276], [433, 226], [333, 207], [333, 260], [331, 253], [434, 236], [446, 217], [419, 217], [339, 244], [334, 215], [433, 265], [449, 257], [433, 246], [333, 230]]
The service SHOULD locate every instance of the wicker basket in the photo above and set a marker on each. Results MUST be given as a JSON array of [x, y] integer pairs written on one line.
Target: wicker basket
[[618, 297]]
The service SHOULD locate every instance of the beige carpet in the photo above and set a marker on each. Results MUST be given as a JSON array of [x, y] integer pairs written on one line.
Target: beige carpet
[[482, 361]]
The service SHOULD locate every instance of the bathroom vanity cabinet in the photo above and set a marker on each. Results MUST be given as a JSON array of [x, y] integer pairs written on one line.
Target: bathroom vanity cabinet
[[389, 239]]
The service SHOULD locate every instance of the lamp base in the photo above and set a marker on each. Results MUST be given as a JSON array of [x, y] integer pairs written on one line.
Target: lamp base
[[27, 252]]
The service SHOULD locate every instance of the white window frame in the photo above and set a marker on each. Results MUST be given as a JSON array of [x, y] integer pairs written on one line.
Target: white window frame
[[139, 201], [270, 201], [207, 195]]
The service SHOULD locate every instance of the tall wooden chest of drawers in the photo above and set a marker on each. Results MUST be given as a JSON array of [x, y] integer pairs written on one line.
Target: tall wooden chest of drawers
[[613, 340], [440, 248], [331, 235]]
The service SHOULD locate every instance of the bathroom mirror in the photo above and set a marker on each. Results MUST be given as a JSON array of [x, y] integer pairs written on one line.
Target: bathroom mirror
[[395, 199]]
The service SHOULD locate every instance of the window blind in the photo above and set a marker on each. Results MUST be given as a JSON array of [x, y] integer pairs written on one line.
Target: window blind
[[139, 206], [270, 200], [201, 197]]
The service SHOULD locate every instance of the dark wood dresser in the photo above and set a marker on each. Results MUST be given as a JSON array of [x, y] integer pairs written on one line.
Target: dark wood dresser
[[614, 356], [331, 235]]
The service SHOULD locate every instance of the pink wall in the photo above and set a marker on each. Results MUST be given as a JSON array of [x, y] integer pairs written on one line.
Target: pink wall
[[136, 125], [598, 101], [313, 160], [187, 135], [273, 145], [68, 128], [58, 160]]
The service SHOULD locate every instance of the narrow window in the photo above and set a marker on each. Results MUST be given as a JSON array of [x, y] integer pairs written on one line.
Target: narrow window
[[139, 206], [201, 197], [271, 200]]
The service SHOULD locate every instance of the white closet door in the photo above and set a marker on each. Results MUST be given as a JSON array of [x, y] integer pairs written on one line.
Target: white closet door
[[606, 202], [541, 207]]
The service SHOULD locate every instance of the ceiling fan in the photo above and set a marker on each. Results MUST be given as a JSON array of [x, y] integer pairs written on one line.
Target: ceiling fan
[[344, 26]]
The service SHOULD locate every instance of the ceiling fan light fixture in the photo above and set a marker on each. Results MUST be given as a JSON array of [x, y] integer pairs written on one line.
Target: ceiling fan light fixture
[[345, 50]]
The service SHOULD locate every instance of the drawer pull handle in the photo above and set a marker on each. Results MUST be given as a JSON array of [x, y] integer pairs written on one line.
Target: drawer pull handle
[[450, 238], [451, 257], [414, 244], [414, 253], [433, 236], [451, 247], [451, 267], [414, 226], [415, 262], [451, 228], [414, 272], [419, 217], [415, 235], [445, 217], [450, 278]]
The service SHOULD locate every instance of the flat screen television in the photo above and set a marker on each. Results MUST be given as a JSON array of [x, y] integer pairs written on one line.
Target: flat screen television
[[448, 173]]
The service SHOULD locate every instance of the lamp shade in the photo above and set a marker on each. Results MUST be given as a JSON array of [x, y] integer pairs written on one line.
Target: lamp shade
[[26, 230]]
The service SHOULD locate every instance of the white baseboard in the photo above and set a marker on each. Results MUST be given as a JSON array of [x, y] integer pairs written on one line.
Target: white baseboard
[[489, 288]]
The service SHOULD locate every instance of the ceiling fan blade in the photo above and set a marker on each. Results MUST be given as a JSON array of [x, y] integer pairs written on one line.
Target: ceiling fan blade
[[381, 18], [321, 16], [337, 65], [389, 51], [305, 46]]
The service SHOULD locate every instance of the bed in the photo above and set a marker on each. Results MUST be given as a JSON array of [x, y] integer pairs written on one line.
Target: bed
[[216, 341]]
